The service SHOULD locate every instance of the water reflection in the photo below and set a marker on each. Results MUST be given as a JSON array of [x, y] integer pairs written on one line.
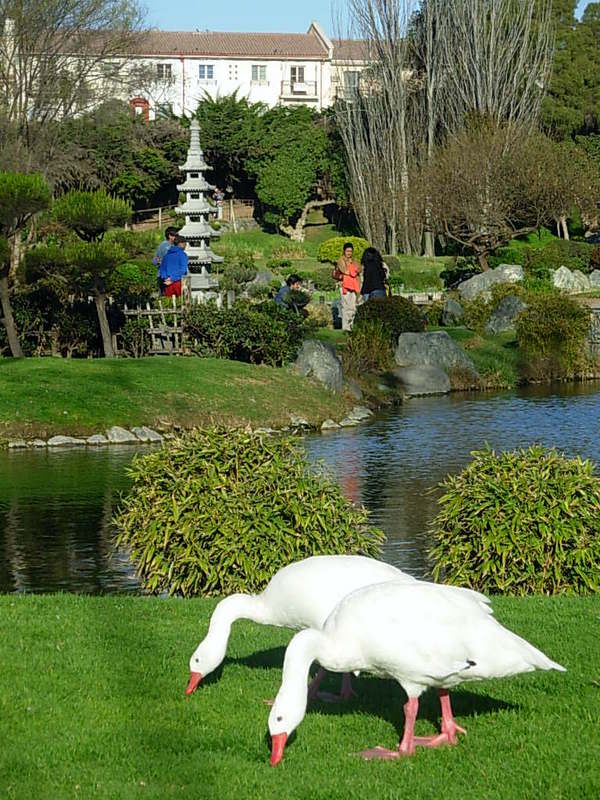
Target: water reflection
[[56, 507], [55, 521], [400, 458]]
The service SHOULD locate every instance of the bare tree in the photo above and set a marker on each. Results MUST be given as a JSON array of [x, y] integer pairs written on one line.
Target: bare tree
[[59, 58], [435, 65]]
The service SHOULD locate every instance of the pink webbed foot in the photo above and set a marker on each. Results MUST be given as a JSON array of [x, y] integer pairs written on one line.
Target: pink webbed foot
[[449, 726]]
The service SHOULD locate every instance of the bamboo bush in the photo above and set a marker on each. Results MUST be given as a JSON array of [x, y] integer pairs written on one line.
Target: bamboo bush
[[220, 511], [522, 522]]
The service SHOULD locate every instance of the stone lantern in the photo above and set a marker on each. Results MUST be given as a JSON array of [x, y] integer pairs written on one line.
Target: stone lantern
[[196, 231]]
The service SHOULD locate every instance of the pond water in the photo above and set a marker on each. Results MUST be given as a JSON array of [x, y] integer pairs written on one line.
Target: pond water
[[56, 507]]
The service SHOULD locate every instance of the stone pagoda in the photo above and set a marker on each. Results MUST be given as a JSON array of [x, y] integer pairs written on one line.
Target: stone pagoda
[[196, 231]]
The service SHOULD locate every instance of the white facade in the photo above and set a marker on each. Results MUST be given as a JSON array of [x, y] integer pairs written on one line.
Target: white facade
[[280, 69]]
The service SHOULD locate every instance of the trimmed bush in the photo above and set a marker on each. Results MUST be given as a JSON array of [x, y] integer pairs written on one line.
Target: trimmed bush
[[521, 522], [461, 269], [396, 314], [558, 253], [332, 249], [256, 334], [551, 334], [222, 510]]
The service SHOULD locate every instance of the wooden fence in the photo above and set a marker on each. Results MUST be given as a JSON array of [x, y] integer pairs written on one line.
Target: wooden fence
[[165, 328]]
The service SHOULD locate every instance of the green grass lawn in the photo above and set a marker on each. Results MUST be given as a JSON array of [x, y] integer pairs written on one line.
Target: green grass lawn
[[92, 705], [44, 396], [495, 357]]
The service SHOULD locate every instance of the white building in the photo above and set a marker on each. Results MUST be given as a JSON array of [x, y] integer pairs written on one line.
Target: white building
[[271, 68]]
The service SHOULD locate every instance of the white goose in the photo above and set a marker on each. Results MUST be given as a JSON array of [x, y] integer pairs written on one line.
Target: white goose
[[421, 635], [301, 595]]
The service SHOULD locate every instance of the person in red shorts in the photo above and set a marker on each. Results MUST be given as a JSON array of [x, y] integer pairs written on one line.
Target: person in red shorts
[[174, 266]]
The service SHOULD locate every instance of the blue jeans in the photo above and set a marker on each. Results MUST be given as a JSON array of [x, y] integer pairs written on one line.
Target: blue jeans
[[374, 293]]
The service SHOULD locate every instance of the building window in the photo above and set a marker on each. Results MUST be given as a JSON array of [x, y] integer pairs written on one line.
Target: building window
[[163, 72], [259, 73], [351, 81], [206, 72], [297, 74]]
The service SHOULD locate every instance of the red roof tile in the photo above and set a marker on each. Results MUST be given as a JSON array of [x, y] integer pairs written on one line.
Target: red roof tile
[[240, 45]]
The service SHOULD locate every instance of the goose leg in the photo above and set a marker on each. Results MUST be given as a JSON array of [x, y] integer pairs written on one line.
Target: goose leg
[[346, 691], [449, 726], [410, 742]]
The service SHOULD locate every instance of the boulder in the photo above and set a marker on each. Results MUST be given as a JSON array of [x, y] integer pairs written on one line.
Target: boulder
[[17, 444], [452, 313], [575, 281], [482, 283], [349, 422], [503, 318], [353, 388], [420, 381], [262, 278], [595, 279], [320, 361], [38, 443], [65, 441], [360, 413], [97, 439], [145, 434], [435, 349], [329, 425], [298, 422], [118, 435]]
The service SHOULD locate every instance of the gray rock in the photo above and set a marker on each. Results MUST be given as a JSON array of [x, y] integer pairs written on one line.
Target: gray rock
[[320, 361], [360, 413], [349, 422], [65, 441], [38, 443], [262, 278], [145, 434], [505, 315], [353, 388], [97, 439], [575, 281], [17, 444], [481, 284], [118, 435], [452, 313], [419, 381], [595, 279], [329, 425], [435, 349], [299, 422]]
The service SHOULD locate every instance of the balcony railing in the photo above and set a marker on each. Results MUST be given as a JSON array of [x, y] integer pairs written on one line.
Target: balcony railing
[[297, 89]]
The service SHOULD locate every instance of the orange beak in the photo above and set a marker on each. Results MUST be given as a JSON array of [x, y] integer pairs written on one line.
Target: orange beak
[[278, 741], [195, 678]]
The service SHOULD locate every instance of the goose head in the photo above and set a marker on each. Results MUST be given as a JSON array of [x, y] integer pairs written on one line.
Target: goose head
[[203, 661], [287, 713]]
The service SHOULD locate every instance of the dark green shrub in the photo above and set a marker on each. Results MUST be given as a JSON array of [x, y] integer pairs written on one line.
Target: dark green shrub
[[133, 282], [222, 510], [255, 334], [520, 523], [396, 314], [135, 337], [551, 334], [394, 263], [558, 253], [433, 313], [367, 349], [331, 249], [461, 269], [476, 313], [278, 263]]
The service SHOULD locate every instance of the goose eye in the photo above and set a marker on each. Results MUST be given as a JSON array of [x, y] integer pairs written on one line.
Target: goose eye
[[279, 719], [197, 660]]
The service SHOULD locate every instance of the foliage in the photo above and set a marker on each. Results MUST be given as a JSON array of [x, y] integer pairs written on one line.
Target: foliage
[[135, 337], [255, 334], [367, 349], [274, 262], [21, 196], [222, 510], [91, 214], [556, 254], [551, 334], [332, 249], [459, 270], [520, 522], [133, 281], [396, 314], [93, 263]]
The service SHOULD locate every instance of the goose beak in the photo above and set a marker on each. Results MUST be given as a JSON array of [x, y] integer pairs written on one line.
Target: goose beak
[[278, 741], [195, 678]]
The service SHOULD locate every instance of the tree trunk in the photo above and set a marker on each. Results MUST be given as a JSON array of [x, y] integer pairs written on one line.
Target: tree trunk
[[9, 321], [296, 233], [429, 244], [100, 300], [565, 228], [482, 258], [232, 215]]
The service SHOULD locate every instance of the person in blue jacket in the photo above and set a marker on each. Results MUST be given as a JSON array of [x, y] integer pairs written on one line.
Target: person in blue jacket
[[174, 266]]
